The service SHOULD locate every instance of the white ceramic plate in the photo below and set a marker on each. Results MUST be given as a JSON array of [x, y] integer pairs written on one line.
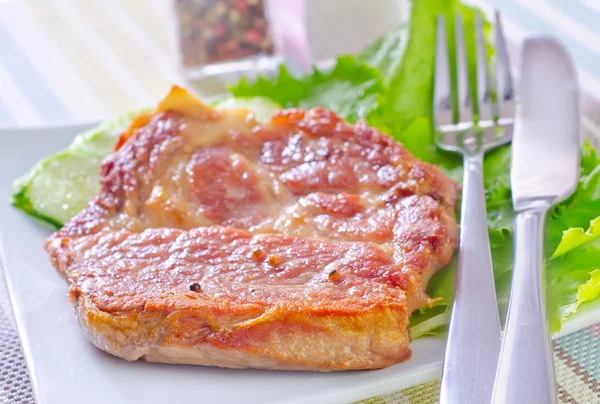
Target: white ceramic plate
[[65, 368]]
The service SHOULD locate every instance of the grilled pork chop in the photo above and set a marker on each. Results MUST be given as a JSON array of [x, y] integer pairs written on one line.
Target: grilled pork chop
[[303, 243]]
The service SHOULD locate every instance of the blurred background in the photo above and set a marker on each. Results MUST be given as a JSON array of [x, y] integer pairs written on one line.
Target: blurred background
[[82, 60]]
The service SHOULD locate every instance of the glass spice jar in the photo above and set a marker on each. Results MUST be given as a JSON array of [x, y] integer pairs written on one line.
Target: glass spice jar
[[222, 36]]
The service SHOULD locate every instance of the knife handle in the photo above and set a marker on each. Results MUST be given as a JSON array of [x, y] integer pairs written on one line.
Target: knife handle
[[526, 368], [474, 332]]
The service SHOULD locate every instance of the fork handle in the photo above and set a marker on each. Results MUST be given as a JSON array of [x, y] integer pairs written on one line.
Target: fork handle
[[474, 335], [526, 368]]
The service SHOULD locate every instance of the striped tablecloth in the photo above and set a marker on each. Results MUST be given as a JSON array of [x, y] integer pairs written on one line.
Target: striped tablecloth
[[64, 61]]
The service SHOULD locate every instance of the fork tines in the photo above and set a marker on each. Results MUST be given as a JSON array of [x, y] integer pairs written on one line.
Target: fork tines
[[488, 111]]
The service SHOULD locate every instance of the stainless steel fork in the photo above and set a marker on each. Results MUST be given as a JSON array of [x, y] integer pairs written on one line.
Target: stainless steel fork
[[474, 336]]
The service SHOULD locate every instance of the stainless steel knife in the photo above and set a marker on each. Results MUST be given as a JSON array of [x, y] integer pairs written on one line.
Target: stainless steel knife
[[544, 171]]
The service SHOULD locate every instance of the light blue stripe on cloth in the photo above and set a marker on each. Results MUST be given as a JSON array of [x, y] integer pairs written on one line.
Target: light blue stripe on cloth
[[6, 118], [26, 77], [578, 11], [523, 17]]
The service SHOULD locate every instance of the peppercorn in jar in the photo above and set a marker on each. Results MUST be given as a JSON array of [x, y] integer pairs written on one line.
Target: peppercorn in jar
[[217, 31]]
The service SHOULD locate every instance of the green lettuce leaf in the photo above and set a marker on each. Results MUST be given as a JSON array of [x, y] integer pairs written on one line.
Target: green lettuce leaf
[[576, 237], [580, 283], [589, 290], [352, 88], [582, 207], [574, 254], [573, 272]]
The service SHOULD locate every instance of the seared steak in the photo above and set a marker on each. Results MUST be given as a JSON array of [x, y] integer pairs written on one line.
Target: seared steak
[[303, 243]]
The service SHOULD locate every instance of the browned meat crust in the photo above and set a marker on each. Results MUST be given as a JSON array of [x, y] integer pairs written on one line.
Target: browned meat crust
[[304, 243]]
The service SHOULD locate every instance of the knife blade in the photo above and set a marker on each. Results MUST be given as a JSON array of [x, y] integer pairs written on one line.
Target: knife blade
[[544, 171], [546, 145]]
